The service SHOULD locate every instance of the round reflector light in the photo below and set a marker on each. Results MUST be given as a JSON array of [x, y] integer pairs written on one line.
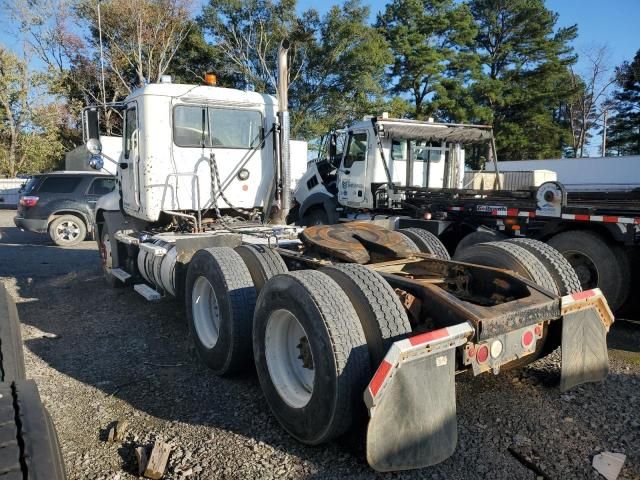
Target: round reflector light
[[538, 330], [527, 339], [482, 354], [496, 348]]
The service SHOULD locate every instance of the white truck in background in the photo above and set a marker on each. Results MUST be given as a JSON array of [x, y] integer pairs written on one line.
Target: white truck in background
[[337, 319], [410, 174]]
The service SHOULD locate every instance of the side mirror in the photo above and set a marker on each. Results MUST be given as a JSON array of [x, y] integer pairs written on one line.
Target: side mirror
[[91, 124], [96, 162]]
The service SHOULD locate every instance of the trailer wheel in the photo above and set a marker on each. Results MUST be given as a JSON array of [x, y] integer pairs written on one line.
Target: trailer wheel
[[30, 448], [11, 353], [597, 263], [311, 355], [262, 262], [220, 298], [511, 257], [426, 242], [482, 235], [381, 313], [67, 230], [107, 261], [563, 274]]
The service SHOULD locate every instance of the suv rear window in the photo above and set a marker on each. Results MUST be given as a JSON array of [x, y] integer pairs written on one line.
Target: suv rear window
[[59, 184], [102, 186]]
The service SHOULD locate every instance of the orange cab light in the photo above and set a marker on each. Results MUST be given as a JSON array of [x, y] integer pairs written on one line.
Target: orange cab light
[[210, 79]]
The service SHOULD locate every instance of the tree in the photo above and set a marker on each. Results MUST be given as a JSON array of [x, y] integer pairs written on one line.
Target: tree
[[624, 127], [341, 75], [590, 90], [28, 128], [430, 41], [523, 83], [140, 38], [336, 63]]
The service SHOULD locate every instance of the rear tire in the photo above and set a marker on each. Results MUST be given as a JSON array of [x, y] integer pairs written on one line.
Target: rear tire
[[509, 256], [426, 242], [11, 349], [30, 448], [67, 230], [482, 235], [311, 355], [220, 299], [563, 274], [598, 263], [379, 309], [262, 262]]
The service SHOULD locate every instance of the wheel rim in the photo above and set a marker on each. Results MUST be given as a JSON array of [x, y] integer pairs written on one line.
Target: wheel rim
[[206, 313], [68, 231], [585, 268], [289, 358]]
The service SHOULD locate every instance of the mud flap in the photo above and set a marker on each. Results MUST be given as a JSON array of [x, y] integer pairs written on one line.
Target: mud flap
[[412, 404], [586, 319]]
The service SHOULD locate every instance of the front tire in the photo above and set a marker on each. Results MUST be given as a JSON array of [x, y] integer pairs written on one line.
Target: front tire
[[67, 230], [311, 355], [105, 247], [220, 299]]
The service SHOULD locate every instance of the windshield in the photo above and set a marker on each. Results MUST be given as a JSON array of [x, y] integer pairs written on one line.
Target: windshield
[[200, 126]]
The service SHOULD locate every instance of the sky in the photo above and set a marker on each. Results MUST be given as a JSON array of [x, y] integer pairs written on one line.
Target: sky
[[615, 23]]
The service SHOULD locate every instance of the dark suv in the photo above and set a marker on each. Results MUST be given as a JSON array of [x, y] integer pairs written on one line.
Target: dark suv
[[61, 204]]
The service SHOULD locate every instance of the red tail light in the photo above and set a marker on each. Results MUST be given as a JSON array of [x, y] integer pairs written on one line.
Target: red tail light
[[527, 338], [29, 201], [482, 353]]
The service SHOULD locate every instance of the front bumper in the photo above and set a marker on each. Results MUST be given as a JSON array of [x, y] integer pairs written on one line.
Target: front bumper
[[31, 224]]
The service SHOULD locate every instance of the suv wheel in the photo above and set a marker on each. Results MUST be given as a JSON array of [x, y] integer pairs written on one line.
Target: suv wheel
[[67, 230]]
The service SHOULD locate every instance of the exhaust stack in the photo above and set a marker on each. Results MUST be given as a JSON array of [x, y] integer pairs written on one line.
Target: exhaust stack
[[284, 162]]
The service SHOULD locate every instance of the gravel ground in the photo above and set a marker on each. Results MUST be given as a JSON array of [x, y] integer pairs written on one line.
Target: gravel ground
[[100, 355]]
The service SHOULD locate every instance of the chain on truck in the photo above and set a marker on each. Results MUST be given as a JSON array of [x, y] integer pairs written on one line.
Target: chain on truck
[[411, 174], [338, 319]]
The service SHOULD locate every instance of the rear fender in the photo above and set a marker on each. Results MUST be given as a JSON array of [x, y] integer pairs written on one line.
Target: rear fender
[[586, 318], [411, 401]]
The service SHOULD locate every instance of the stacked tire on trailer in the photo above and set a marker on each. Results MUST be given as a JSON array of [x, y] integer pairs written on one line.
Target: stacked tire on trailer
[[29, 446]]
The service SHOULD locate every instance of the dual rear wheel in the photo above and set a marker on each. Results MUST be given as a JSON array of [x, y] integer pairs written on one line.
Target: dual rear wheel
[[315, 336]]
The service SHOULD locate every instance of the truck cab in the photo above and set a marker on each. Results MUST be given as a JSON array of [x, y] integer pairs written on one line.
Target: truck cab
[[375, 153], [176, 142]]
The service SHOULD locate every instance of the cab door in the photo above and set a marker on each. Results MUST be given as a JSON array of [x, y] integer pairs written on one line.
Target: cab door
[[129, 166], [352, 190]]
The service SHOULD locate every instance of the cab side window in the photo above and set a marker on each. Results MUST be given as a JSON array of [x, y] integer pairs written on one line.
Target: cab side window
[[357, 150], [131, 124]]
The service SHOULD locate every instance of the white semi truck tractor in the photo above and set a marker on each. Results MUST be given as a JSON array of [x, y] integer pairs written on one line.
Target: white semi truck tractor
[[338, 319]]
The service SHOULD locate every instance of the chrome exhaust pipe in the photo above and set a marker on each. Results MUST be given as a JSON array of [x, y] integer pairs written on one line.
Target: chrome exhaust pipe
[[284, 162]]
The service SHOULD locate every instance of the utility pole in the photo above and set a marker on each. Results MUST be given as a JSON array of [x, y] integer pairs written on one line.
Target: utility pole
[[104, 94], [604, 132]]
